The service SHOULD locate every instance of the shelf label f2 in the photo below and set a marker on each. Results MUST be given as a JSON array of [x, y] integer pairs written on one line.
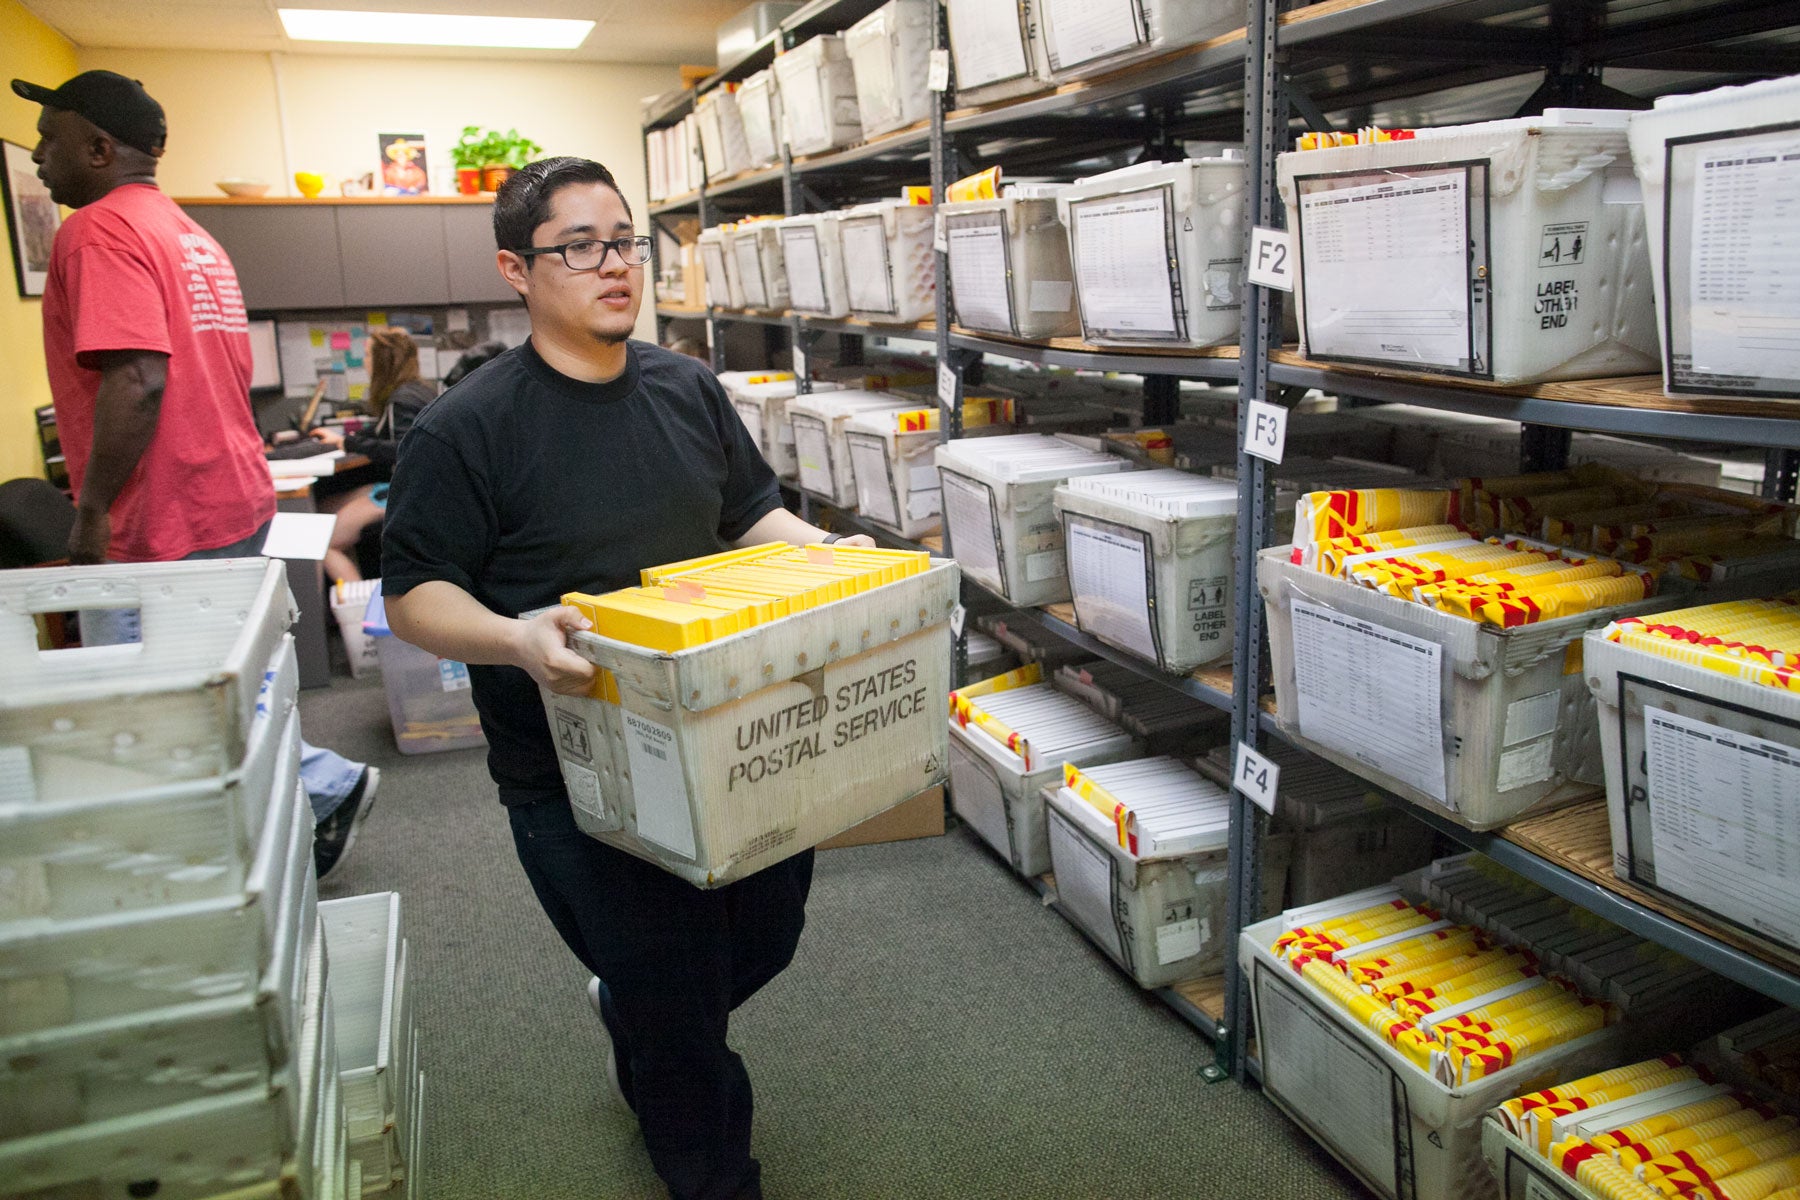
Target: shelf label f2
[[1271, 258], [1256, 777], [1265, 430]]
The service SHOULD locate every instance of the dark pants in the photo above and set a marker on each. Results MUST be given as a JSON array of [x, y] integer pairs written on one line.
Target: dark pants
[[675, 960]]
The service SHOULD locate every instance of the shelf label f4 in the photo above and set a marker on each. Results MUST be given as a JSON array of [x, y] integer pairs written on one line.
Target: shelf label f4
[[1256, 777], [1271, 259], [1265, 430]]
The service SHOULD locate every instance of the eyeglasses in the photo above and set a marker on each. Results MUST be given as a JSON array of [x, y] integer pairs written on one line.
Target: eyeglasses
[[589, 253]]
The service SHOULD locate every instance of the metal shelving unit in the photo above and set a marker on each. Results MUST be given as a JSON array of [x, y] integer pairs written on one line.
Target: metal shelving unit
[[1337, 64]]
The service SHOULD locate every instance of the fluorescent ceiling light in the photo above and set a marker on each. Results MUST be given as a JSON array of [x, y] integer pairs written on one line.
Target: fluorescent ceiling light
[[432, 29]]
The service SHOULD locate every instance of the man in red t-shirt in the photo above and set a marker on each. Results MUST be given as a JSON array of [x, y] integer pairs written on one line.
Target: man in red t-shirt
[[148, 354]]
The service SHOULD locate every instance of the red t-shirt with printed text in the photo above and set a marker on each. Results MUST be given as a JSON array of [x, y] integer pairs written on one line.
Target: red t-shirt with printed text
[[131, 271]]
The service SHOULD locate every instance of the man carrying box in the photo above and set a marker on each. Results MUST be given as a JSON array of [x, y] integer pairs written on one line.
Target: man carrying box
[[568, 464]]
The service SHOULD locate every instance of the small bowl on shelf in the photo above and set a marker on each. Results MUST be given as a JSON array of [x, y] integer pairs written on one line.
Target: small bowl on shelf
[[243, 189]]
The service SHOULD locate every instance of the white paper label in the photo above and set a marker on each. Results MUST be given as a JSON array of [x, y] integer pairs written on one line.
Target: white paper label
[[800, 365], [958, 616], [946, 386], [1271, 259], [1045, 564], [866, 266], [1371, 693], [987, 41], [1336, 1085], [805, 271], [1530, 763], [813, 450], [1257, 777], [922, 477], [1265, 430], [874, 486], [978, 275], [1084, 883], [803, 109], [1744, 290], [1178, 940], [1079, 31], [1112, 595], [937, 75], [1051, 295], [750, 272], [1532, 717], [452, 676], [657, 787], [1725, 820], [939, 242], [969, 516], [584, 788], [1122, 265], [1387, 267], [1537, 1189]]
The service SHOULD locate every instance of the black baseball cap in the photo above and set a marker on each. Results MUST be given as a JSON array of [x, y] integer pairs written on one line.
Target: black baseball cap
[[116, 104]]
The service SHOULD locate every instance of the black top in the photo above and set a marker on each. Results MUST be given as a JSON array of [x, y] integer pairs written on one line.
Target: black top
[[382, 444], [520, 484]]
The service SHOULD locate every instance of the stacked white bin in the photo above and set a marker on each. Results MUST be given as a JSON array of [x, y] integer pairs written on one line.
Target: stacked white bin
[[996, 51], [372, 1008], [760, 398], [821, 446], [890, 57], [722, 142], [818, 96], [158, 945], [1512, 250], [998, 507], [1158, 251], [812, 252], [755, 248], [1149, 558], [999, 789], [724, 288], [890, 266], [1712, 189], [1009, 264], [1079, 38], [893, 453], [759, 107]]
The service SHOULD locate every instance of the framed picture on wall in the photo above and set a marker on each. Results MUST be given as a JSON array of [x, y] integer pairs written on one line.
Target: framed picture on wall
[[403, 166], [32, 219]]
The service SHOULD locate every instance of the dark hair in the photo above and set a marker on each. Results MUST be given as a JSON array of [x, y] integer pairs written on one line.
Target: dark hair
[[523, 202], [472, 359]]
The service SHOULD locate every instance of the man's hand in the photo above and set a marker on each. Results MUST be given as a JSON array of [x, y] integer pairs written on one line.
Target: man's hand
[[90, 537], [541, 649], [856, 539], [330, 437]]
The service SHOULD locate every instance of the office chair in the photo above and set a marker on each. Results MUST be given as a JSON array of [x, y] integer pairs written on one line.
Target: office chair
[[35, 521]]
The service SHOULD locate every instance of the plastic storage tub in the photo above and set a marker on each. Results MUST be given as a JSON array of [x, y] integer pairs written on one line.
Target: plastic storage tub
[[1009, 264], [818, 96], [1510, 251], [717, 761], [762, 275], [1079, 38], [1474, 722], [893, 454], [759, 106], [999, 512], [1712, 166], [373, 1021], [1000, 791], [349, 604], [761, 399], [1160, 914], [812, 252], [722, 143], [152, 843], [1399, 1130], [890, 56], [1149, 557], [1158, 252], [1702, 770], [996, 51], [430, 701], [724, 286], [890, 268], [821, 446]]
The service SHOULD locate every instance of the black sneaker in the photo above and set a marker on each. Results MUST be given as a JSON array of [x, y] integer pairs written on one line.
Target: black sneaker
[[333, 837]]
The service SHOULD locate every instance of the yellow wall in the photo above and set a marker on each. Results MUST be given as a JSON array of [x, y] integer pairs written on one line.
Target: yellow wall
[[225, 120], [31, 50]]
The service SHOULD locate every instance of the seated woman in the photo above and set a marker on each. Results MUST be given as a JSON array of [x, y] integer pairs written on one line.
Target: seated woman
[[396, 395]]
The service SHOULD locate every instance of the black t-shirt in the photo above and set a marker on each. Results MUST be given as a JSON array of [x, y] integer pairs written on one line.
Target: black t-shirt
[[520, 484]]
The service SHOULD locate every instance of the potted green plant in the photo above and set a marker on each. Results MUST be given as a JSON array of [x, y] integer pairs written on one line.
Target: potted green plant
[[470, 155], [510, 151]]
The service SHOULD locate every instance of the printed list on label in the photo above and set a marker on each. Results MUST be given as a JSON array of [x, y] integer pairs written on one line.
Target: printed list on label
[[1745, 281], [1111, 594], [1122, 253], [978, 275]]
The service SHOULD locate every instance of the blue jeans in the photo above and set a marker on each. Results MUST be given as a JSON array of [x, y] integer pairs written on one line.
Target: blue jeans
[[329, 778], [675, 961]]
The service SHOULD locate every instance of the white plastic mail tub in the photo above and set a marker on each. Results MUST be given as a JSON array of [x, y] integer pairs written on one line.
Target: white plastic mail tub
[[890, 268], [890, 57], [812, 254], [818, 96], [1009, 264], [821, 445]]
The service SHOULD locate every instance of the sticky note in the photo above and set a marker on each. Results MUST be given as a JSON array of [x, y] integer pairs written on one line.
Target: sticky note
[[378, 318], [340, 340]]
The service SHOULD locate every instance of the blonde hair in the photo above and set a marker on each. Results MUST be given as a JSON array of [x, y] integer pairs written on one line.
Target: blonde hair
[[393, 360]]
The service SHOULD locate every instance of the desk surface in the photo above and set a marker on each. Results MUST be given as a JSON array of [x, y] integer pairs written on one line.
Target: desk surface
[[349, 462]]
